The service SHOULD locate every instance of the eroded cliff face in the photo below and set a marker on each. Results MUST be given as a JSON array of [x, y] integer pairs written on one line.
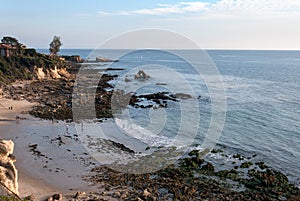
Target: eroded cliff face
[[8, 171], [52, 73]]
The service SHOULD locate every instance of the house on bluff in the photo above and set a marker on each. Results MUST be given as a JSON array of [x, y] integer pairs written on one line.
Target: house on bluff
[[7, 50]]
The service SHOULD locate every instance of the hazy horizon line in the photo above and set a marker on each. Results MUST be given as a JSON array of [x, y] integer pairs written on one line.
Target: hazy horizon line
[[229, 49]]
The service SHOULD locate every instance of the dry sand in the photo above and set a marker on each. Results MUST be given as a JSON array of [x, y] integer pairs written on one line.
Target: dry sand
[[19, 108]]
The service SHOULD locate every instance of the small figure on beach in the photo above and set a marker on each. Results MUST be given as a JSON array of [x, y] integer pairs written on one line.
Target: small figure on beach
[[67, 129]]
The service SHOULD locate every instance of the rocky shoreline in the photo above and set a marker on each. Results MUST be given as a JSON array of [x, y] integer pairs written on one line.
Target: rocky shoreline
[[193, 178], [190, 178]]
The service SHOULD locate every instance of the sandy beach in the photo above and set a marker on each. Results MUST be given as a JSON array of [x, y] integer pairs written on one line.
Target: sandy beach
[[18, 107], [27, 184], [50, 170]]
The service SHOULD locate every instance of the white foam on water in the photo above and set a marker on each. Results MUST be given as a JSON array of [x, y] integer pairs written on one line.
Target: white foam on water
[[142, 134]]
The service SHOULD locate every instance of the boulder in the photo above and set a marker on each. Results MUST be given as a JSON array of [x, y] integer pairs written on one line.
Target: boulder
[[54, 73], [63, 72], [141, 75], [8, 171], [103, 59], [183, 96], [39, 73]]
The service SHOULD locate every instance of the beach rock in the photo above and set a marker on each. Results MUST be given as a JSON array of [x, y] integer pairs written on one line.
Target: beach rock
[[80, 194], [246, 164], [141, 75], [30, 198], [73, 58], [63, 73], [208, 168], [146, 193], [183, 96], [39, 73], [127, 79], [238, 156], [117, 194], [57, 196], [8, 171], [54, 73], [103, 59], [49, 199]]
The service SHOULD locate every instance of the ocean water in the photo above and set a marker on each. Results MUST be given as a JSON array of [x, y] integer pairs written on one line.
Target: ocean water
[[262, 93]]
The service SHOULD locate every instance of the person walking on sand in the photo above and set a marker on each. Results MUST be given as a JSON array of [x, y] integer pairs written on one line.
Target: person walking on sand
[[67, 129]]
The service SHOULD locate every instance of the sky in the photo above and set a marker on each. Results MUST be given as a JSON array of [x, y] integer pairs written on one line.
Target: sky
[[212, 24]]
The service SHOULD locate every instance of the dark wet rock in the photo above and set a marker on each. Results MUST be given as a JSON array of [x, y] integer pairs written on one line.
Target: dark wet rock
[[246, 165], [261, 165], [30, 198], [34, 149], [228, 174], [238, 156], [57, 196], [161, 83], [187, 182], [192, 162], [195, 153], [122, 147], [214, 151], [141, 75], [207, 168], [73, 58], [113, 69], [183, 96]]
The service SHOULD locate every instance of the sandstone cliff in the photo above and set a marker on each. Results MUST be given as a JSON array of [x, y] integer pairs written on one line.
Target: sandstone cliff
[[52, 73], [8, 171]]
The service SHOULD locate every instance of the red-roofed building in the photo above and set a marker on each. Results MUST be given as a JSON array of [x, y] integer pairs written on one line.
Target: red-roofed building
[[6, 50]]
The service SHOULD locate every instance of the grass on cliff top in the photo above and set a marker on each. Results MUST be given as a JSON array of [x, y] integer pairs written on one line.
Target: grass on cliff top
[[21, 67], [10, 198]]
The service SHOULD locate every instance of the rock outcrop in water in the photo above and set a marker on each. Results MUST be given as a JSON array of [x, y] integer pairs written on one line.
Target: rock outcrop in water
[[8, 171], [141, 75]]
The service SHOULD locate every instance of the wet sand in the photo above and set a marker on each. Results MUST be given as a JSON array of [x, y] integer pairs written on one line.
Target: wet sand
[[53, 167]]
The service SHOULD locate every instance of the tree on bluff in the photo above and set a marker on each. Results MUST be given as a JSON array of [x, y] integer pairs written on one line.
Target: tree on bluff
[[19, 48], [11, 41], [55, 45]]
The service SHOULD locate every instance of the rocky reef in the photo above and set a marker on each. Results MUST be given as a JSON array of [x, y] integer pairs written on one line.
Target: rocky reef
[[193, 178]]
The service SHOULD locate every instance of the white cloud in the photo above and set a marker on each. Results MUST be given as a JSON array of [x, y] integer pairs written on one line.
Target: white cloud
[[103, 13], [167, 9], [222, 7], [161, 10], [194, 6], [245, 7]]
